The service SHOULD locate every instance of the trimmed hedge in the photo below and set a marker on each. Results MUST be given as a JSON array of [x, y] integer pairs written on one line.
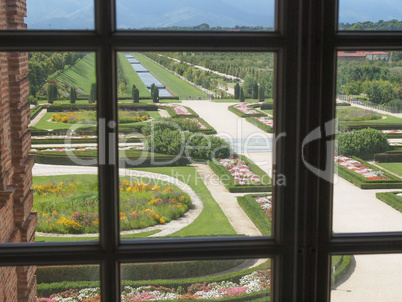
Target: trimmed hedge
[[233, 186], [35, 111], [363, 183], [46, 289], [391, 199], [267, 106], [242, 114], [61, 158], [388, 157], [261, 125], [253, 210], [369, 124], [173, 114], [342, 267], [342, 104], [77, 107], [393, 135]]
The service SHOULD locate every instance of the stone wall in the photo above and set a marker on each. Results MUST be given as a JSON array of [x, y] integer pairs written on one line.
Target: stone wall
[[17, 222]]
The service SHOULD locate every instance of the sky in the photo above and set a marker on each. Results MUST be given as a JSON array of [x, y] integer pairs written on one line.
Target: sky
[[352, 11]]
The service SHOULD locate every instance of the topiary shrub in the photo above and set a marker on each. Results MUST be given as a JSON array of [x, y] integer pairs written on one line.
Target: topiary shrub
[[362, 143]]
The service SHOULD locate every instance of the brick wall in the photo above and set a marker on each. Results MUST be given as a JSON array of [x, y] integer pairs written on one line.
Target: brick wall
[[17, 222]]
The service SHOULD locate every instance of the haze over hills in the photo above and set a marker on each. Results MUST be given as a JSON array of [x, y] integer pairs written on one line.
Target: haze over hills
[[137, 14]]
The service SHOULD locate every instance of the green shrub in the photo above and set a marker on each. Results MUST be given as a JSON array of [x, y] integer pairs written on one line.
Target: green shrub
[[391, 199], [364, 143], [200, 146], [267, 106], [170, 123], [388, 157], [35, 111]]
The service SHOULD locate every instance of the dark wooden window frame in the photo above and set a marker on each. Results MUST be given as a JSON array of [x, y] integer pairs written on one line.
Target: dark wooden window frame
[[305, 43]]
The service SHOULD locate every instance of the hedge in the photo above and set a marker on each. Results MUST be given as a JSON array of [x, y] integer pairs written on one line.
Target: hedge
[[35, 111], [242, 114], [391, 199], [342, 104], [366, 124], [233, 186], [341, 267], [267, 106], [137, 271], [363, 183], [76, 107], [61, 158], [46, 289], [253, 210], [261, 125], [388, 157], [209, 130], [172, 113], [393, 135]]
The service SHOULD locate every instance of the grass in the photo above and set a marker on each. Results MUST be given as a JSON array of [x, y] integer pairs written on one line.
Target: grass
[[357, 114], [132, 77], [81, 75], [212, 221], [177, 86], [392, 167], [270, 112]]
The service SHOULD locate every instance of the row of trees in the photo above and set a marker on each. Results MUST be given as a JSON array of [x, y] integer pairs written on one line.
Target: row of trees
[[258, 92], [53, 93]]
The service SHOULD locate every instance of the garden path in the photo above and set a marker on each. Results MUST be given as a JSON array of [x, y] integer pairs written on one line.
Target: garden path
[[165, 229], [355, 210], [38, 117]]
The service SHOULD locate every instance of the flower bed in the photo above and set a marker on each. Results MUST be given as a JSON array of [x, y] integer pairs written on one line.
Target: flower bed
[[266, 204], [256, 282], [265, 123], [364, 175], [357, 114], [71, 207], [244, 110], [89, 117], [239, 174], [177, 110], [136, 147]]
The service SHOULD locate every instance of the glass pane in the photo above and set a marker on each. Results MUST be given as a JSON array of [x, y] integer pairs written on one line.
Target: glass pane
[[177, 109], [190, 280], [191, 15], [367, 278], [370, 15], [368, 151], [49, 182], [60, 15]]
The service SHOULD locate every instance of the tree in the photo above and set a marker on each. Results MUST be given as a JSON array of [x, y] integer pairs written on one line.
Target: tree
[[136, 95], [92, 94], [380, 92], [132, 91], [352, 88], [52, 92], [122, 88], [255, 91], [261, 93], [241, 97], [154, 93], [248, 84], [237, 91], [73, 95]]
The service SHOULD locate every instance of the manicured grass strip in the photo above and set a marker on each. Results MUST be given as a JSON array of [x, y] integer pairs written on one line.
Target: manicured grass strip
[[212, 221], [259, 124], [81, 75], [363, 183], [177, 86], [253, 210], [391, 199], [65, 239], [233, 186], [393, 167], [132, 77]]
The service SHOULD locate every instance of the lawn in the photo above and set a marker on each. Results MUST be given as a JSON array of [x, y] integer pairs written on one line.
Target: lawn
[[132, 77], [177, 86], [81, 75], [392, 167], [270, 112]]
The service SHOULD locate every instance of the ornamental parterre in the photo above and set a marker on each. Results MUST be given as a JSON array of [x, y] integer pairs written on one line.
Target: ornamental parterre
[[178, 109], [240, 171], [266, 204], [266, 120], [136, 147], [357, 167], [252, 283], [244, 108]]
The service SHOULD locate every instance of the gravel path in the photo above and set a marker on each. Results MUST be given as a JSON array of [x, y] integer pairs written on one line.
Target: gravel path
[[38, 117]]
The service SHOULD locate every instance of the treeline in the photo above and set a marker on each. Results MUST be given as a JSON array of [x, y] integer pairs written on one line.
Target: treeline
[[44, 64], [380, 25], [375, 79], [206, 27]]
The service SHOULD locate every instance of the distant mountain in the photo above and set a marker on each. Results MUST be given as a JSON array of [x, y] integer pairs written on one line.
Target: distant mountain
[[135, 14]]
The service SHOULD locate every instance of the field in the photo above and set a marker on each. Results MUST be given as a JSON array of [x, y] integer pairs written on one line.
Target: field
[[81, 75], [177, 86]]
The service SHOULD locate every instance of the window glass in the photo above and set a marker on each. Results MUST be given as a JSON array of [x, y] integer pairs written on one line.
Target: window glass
[[60, 15], [211, 279], [370, 15], [189, 144], [366, 278], [64, 144], [191, 15], [368, 149]]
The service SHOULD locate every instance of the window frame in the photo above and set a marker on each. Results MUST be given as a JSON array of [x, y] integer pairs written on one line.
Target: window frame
[[305, 42]]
